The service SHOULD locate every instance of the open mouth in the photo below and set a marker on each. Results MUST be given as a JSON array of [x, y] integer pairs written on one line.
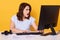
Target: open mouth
[[27, 14]]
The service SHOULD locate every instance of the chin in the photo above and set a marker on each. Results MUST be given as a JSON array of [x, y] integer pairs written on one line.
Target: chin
[[26, 17]]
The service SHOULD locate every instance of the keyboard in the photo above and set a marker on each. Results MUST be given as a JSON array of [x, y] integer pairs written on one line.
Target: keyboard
[[30, 33]]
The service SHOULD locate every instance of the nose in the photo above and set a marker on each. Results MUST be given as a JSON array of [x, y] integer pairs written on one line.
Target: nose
[[28, 11]]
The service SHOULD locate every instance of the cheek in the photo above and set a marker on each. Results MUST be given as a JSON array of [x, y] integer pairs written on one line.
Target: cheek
[[24, 13]]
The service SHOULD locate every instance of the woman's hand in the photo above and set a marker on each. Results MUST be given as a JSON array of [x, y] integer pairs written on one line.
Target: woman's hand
[[26, 31]]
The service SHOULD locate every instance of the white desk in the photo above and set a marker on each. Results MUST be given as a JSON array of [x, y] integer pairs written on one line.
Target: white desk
[[28, 37]]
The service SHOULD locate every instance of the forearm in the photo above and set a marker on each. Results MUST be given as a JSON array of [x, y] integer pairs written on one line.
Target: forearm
[[14, 30], [35, 28]]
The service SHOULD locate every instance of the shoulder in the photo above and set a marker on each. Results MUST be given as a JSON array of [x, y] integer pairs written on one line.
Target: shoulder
[[31, 18], [14, 17]]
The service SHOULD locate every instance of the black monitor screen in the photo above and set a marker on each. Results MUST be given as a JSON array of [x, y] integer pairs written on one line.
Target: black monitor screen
[[48, 15]]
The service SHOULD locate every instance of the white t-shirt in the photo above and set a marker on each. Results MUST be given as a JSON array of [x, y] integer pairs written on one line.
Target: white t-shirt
[[22, 25]]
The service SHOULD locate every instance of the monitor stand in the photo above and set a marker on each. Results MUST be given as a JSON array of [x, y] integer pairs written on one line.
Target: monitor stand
[[52, 29]]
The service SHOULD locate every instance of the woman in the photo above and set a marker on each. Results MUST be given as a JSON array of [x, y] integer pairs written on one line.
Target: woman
[[22, 21]]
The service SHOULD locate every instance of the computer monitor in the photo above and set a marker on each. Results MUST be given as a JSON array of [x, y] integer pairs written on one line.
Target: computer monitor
[[48, 16]]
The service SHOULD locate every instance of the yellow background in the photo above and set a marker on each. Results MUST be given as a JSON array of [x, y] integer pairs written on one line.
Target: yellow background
[[10, 7]]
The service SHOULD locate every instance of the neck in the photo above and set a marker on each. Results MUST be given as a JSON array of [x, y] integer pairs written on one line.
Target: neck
[[24, 18]]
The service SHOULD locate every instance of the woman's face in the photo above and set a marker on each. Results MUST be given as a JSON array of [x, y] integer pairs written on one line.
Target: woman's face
[[26, 11]]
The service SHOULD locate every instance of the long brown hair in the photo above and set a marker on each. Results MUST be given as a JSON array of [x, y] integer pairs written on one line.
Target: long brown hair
[[20, 11]]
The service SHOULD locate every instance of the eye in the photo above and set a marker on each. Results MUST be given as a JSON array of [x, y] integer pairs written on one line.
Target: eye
[[27, 9]]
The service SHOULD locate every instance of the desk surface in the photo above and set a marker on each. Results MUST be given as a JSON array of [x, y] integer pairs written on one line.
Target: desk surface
[[29, 37]]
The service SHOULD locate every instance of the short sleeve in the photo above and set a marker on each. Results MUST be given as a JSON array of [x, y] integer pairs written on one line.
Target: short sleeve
[[13, 18], [32, 20]]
